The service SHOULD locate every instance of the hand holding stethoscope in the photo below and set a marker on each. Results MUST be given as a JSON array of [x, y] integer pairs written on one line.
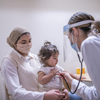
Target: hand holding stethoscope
[[67, 77]]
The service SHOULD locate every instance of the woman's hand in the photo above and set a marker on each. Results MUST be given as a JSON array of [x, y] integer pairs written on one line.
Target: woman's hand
[[66, 94], [55, 95], [67, 77]]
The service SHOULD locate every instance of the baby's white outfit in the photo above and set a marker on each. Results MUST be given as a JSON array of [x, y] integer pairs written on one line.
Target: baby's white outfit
[[56, 82]]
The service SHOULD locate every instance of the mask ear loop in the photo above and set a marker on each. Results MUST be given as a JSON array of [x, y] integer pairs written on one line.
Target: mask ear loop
[[76, 46], [72, 37]]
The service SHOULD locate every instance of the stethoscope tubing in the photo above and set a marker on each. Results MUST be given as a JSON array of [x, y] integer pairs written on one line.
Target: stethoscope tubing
[[79, 78]]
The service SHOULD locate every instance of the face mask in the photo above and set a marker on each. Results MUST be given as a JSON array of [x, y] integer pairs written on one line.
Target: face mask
[[74, 45], [24, 48]]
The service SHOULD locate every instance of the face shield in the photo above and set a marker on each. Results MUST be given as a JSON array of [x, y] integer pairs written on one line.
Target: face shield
[[67, 52]]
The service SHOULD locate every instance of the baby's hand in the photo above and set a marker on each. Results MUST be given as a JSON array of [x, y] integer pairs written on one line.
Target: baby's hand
[[54, 71]]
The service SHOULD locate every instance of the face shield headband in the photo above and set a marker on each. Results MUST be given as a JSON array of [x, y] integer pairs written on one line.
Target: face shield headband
[[66, 28]]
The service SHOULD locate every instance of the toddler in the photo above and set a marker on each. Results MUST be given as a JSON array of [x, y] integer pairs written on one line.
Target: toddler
[[48, 74]]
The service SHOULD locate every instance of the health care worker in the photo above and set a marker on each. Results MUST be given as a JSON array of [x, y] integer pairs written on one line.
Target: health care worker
[[19, 70], [79, 27]]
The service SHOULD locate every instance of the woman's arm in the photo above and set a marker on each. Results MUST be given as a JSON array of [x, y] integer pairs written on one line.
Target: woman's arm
[[88, 93], [84, 91], [44, 79], [56, 95], [74, 76], [10, 75]]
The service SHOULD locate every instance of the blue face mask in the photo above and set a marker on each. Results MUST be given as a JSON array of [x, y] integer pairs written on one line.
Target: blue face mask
[[74, 45]]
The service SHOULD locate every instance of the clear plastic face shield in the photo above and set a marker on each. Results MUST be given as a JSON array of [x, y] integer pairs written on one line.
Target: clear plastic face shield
[[66, 42]]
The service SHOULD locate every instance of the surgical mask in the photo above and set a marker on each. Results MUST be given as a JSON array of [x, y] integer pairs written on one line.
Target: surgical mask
[[24, 48], [74, 45]]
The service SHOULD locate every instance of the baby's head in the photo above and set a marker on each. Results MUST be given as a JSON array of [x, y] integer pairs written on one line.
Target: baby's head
[[48, 54], [95, 28]]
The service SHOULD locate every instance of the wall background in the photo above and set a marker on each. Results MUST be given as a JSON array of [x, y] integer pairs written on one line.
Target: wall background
[[45, 20]]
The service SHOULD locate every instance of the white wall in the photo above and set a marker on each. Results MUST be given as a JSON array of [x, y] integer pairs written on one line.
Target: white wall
[[45, 20]]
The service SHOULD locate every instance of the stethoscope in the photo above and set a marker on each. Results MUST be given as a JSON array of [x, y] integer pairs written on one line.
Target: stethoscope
[[79, 79]]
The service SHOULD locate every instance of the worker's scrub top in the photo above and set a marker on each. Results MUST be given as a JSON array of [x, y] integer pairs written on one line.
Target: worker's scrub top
[[21, 81], [90, 50]]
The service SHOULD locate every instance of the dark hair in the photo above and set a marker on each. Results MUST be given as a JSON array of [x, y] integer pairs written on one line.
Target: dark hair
[[21, 35], [96, 27], [47, 51], [81, 16]]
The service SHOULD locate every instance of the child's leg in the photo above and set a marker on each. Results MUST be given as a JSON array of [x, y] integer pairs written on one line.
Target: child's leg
[[74, 97]]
